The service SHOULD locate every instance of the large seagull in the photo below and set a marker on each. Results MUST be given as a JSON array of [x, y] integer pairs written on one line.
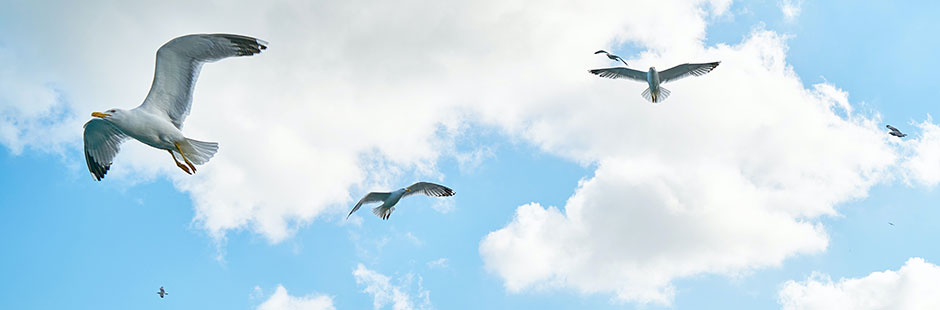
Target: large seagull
[[654, 78], [157, 122]]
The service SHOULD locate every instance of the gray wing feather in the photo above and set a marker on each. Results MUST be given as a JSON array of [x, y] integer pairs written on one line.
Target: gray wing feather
[[102, 143], [429, 189], [178, 65], [620, 73], [370, 197], [685, 70]]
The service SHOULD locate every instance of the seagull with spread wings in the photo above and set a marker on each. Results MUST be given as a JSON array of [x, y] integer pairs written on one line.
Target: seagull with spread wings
[[162, 292], [895, 132], [612, 56], [389, 200], [656, 93], [157, 122]]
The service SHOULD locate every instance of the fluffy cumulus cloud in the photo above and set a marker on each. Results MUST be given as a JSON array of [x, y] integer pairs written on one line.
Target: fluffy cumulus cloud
[[729, 174], [350, 95], [397, 294], [922, 165], [280, 300], [914, 286]]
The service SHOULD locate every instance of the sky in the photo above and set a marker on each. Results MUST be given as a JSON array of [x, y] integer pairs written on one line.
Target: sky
[[769, 183]]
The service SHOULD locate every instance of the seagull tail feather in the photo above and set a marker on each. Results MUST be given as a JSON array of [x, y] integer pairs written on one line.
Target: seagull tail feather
[[647, 95], [663, 94], [383, 212], [199, 152]]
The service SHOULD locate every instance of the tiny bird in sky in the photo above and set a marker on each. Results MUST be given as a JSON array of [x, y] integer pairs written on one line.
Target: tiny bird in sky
[[895, 132], [162, 292]]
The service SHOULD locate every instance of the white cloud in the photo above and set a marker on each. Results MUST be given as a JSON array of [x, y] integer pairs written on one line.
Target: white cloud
[[923, 163], [384, 292], [32, 112], [438, 263], [349, 96], [280, 300], [914, 286], [728, 175], [791, 9]]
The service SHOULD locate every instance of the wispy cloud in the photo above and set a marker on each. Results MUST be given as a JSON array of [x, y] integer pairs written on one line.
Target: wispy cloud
[[791, 9], [384, 292], [280, 300], [440, 263]]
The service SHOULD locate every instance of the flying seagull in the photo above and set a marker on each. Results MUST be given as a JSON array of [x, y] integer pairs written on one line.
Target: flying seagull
[[654, 78], [895, 132], [162, 292], [389, 200], [612, 56], [157, 122]]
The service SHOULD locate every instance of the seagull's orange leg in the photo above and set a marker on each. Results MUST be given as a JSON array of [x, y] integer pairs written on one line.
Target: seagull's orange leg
[[178, 164], [184, 157]]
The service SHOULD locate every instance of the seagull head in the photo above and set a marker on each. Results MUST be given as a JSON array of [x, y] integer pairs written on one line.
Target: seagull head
[[105, 114], [112, 114]]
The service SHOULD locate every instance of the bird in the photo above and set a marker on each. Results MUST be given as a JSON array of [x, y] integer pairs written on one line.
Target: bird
[[612, 57], [389, 199], [162, 292], [889, 223], [654, 78], [158, 121], [895, 132]]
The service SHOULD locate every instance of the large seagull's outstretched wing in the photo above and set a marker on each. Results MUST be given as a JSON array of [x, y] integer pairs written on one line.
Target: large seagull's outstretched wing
[[371, 197], [429, 189], [102, 143], [620, 73], [178, 65], [685, 70]]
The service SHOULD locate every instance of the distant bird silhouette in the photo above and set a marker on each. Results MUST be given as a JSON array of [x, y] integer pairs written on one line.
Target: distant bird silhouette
[[895, 132], [889, 223], [654, 78], [612, 57], [389, 200], [162, 292]]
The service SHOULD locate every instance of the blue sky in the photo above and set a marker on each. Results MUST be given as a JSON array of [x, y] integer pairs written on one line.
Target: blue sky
[[75, 243]]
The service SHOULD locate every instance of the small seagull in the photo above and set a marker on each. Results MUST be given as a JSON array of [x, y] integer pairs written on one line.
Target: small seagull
[[895, 132], [889, 223], [612, 57], [162, 292], [158, 121], [389, 200], [654, 78]]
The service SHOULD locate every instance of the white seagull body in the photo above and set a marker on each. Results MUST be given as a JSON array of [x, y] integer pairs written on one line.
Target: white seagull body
[[389, 199], [158, 121], [654, 78]]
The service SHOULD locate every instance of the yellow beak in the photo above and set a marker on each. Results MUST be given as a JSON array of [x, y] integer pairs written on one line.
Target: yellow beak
[[99, 114]]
